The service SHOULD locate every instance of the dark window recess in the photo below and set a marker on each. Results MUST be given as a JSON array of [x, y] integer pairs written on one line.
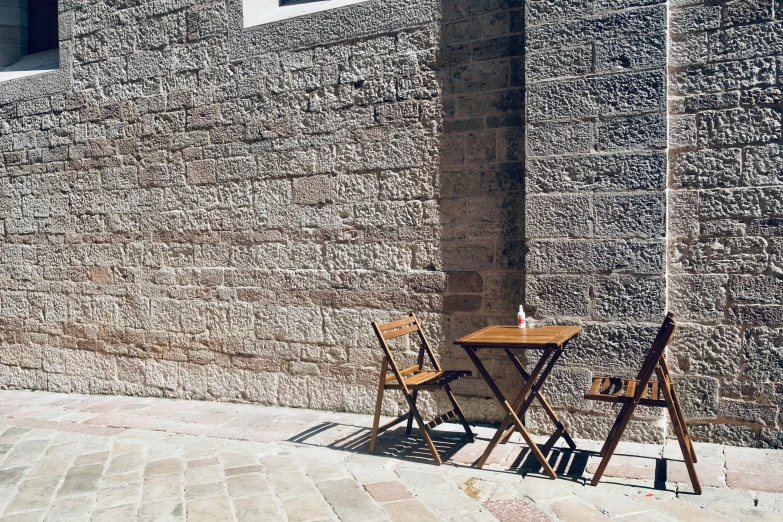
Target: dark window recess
[[294, 2], [42, 23]]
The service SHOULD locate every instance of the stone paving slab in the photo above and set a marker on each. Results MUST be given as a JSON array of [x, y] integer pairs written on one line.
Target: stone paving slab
[[79, 458]]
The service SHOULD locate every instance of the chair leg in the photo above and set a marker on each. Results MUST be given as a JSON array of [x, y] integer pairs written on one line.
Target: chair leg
[[683, 424], [612, 432], [680, 429], [623, 418], [410, 416], [378, 403], [450, 395], [687, 454], [423, 428]]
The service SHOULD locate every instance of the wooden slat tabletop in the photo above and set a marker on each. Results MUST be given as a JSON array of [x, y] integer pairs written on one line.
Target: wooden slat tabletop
[[525, 338]]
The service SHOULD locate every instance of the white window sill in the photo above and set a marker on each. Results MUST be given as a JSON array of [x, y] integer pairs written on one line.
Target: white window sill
[[259, 12], [32, 64]]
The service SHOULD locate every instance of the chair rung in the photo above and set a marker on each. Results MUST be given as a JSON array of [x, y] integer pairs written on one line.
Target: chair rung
[[440, 420]]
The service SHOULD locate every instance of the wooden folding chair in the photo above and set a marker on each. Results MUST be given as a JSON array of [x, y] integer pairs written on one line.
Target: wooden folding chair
[[412, 380], [641, 391]]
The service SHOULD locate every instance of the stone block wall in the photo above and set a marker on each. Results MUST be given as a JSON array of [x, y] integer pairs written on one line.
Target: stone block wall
[[595, 190], [194, 209], [726, 216]]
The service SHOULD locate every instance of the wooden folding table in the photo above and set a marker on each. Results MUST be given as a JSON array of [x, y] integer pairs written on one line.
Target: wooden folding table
[[552, 340]]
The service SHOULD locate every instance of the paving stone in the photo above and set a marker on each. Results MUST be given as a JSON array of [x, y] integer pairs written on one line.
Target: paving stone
[[320, 483], [387, 491], [259, 507], [542, 490], [211, 509], [126, 462], [91, 458], [163, 511], [11, 476], [247, 485], [291, 484], [754, 481], [74, 508], [276, 464], [610, 503], [162, 487], [164, 467], [409, 511], [209, 489], [683, 510], [516, 509], [309, 507], [112, 514], [118, 495], [349, 500], [572, 511], [230, 472], [32, 516], [319, 470], [417, 479], [203, 462], [83, 479], [34, 494]]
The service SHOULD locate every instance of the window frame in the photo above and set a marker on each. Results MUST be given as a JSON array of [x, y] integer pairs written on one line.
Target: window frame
[[48, 82]]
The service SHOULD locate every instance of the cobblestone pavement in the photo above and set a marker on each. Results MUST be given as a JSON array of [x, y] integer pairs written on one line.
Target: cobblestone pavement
[[104, 458]]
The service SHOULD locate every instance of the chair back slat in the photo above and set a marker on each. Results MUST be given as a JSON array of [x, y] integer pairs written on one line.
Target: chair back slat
[[396, 324], [656, 352], [391, 334]]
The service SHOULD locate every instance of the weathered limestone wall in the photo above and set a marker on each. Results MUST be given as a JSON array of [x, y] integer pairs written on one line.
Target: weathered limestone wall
[[194, 209], [725, 172], [208, 212]]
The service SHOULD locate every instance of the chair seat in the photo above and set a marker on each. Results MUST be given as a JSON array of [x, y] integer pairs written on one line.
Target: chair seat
[[615, 389], [426, 379]]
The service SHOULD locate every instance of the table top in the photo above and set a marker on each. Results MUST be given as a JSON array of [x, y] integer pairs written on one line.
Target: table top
[[523, 338]]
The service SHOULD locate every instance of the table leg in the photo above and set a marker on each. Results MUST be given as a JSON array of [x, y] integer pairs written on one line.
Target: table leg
[[510, 414], [502, 433], [536, 392]]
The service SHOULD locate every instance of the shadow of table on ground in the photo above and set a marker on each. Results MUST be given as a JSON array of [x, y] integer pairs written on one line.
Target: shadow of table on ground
[[454, 447]]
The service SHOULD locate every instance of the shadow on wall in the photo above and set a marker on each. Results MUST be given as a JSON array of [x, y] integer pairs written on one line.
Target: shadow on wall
[[480, 72]]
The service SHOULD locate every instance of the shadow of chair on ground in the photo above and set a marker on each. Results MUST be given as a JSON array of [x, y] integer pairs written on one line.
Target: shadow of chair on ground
[[397, 444]]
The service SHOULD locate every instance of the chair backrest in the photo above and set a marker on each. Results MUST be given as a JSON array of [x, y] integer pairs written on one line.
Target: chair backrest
[[406, 326], [665, 334]]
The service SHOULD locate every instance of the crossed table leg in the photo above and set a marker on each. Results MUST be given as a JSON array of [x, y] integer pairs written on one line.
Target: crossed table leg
[[530, 391]]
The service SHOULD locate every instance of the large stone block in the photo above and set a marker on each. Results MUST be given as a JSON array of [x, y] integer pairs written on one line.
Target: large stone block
[[558, 216], [616, 94], [748, 412], [721, 255], [706, 350], [724, 76], [632, 132], [698, 298], [635, 215], [556, 139], [595, 256], [558, 295], [611, 347], [706, 168], [629, 298], [763, 165], [698, 396], [740, 126], [763, 353]]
